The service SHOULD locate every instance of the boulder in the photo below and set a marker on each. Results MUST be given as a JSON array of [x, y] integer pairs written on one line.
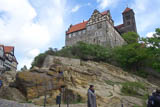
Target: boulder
[[11, 94], [35, 84]]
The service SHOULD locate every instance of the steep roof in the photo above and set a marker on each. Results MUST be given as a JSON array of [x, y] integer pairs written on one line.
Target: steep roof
[[119, 26], [81, 26], [8, 49], [105, 12], [127, 10], [77, 27]]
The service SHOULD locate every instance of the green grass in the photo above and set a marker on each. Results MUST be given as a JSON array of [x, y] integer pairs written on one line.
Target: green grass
[[141, 74], [109, 82], [29, 101], [144, 105], [131, 88]]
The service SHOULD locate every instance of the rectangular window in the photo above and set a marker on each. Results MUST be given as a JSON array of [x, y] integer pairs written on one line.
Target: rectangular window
[[128, 23], [69, 35], [74, 34], [99, 25], [128, 17], [84, 31], [79, 32], [89, 27]]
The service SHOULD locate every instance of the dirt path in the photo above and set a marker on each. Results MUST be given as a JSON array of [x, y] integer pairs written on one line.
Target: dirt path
[[7, 103]]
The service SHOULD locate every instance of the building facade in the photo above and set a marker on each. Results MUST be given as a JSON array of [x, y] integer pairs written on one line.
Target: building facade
[[8, 60], [2, 58], [99, 29]]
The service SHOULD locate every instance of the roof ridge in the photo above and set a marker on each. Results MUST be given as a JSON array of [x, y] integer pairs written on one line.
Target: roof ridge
[[126, 10]]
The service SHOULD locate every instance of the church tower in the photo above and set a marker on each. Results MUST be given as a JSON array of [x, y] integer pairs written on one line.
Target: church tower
[[129, 20]]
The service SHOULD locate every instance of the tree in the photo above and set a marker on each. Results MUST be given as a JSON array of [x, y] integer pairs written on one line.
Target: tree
[[131, 57], [153, 45], [50, 51], [154, 41], [131, 37], [90, 52], [38, 60], [24, 68]]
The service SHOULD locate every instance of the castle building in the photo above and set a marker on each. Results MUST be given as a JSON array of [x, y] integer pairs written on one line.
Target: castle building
[[7, 58], [100, 29]]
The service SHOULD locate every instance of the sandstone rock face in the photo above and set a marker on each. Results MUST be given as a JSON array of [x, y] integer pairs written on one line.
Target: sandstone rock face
[[7, 91], [8, 77], [76, 76], [11, 94]]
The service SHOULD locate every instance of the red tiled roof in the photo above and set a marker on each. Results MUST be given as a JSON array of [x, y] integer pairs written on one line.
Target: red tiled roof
[[127, 10], [77, 27], [80, 26], [104, 13], [8, 49], [119, 26]]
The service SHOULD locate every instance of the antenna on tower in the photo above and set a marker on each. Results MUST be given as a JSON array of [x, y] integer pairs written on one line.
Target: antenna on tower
[[127, 5]]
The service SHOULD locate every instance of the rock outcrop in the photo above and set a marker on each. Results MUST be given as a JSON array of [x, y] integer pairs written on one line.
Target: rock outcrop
[[72, 77], [8, 91]]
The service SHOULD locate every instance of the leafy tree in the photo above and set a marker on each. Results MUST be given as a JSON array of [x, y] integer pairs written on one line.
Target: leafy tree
[[131, 56], [90, 52], [153, 45], [130, 37], [50, 51], [38, 60], [24, 68]]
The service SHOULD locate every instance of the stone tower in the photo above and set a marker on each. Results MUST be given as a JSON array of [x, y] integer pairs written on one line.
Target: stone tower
[[129, 20]]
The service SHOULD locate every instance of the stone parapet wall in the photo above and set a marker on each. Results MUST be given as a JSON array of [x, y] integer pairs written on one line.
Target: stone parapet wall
[[60, 60]]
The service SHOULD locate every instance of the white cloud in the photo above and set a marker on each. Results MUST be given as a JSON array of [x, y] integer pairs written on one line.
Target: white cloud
[[26, 61], [76, 8], [107, 3], [31, 26], [150, 34], [147, 14], [88, 4], [28, 58], [34, 52]]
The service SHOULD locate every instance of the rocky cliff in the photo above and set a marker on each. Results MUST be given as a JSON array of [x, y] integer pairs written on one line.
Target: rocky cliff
[[113, 86]]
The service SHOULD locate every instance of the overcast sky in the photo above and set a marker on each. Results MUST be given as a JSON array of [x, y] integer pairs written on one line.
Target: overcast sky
[[32, 26]]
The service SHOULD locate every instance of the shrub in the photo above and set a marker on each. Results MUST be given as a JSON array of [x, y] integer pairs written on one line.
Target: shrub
[[38, 60]]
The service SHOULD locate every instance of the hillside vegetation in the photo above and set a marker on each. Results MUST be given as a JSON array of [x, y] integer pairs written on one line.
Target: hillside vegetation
[[139, 55]]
